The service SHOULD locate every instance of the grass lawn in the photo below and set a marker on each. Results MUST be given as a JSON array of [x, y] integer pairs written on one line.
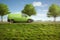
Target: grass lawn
[[30, 31]]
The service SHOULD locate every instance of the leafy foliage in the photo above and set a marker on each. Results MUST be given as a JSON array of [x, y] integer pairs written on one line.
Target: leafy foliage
[[29, 9], [54, 10], [3, 9]]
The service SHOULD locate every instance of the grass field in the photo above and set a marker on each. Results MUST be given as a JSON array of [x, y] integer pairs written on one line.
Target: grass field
[[30, 31]]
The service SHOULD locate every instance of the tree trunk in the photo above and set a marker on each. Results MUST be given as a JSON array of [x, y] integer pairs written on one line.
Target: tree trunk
[[54, 19], [1, 18]]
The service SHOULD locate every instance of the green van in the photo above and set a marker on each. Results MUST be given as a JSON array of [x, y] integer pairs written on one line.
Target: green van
[[19, 18]]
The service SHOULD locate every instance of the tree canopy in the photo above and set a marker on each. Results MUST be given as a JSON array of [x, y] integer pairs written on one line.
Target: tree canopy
[[29, 9]]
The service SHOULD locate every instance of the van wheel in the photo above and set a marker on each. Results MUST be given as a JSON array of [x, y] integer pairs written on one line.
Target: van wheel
[[8, 20], [30, 20], [11, 20]]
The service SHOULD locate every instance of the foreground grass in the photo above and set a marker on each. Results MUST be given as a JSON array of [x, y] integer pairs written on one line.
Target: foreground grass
[[32, 31]]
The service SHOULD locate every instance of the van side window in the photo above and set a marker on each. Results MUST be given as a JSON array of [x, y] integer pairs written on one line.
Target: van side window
[[24, 15]]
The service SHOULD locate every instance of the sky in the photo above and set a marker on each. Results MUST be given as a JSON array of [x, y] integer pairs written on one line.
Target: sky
[[41, 6]]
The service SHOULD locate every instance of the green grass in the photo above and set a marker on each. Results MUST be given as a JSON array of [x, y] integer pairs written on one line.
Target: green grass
[[32, 31]]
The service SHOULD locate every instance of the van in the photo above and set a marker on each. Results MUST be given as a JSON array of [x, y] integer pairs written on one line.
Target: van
[[19, 18]]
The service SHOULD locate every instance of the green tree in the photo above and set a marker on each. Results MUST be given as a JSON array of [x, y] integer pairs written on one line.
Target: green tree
[[3, 10], [29, 9], [54, 11]]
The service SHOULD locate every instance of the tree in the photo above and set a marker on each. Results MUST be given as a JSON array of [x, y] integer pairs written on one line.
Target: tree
[[3, 10], [54, 11], [29, 9]]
